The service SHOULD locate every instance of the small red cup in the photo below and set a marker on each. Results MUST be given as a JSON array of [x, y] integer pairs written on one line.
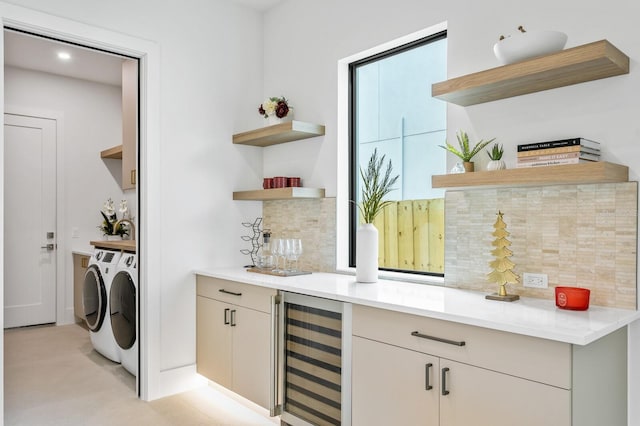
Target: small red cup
[[267, 183], [572, 298], [293, 181], [279, 182]]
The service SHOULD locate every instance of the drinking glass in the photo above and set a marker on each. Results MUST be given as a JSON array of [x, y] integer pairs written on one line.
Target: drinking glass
[[295, 251], [278, 248], [288, 247]]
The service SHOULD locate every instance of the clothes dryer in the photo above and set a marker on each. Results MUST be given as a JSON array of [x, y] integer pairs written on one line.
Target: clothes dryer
[[123, 311], [95, 299]]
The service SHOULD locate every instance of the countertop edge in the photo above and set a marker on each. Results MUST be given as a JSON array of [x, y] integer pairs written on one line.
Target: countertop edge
[[620, 317]]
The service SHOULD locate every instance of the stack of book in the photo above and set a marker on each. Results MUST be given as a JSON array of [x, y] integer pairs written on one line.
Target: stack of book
[[554, 153]]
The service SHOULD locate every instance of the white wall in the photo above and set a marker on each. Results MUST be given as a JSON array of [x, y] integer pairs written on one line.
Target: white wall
[[212, 77], [306, 38], [211, 83], [91, 120]]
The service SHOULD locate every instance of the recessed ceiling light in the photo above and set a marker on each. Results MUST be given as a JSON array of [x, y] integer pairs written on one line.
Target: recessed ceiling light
[[64, 56]]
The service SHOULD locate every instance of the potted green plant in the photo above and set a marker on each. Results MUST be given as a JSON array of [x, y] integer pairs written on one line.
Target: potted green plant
[[376, 185], [465, 152], [495, 154]]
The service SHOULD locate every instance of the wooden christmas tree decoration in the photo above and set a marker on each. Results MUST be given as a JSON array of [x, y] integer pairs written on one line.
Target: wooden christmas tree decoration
[[502, 266]]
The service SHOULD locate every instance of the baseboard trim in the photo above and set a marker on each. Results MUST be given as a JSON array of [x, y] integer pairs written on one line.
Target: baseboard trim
[[180, 379]]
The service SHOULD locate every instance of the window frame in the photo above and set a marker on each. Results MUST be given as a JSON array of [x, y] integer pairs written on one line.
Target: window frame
[[346, 210]]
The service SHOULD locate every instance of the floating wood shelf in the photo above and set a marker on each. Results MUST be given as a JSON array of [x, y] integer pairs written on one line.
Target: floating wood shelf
[[593, 172], [279, 133], [115, 152], [126, 245], [580, 64], [279, 194]]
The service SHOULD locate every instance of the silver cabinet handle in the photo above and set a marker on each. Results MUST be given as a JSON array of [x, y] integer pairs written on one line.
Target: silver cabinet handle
[[427, 379], [226, 316], [438, 339], [222, 290], [444, 381]]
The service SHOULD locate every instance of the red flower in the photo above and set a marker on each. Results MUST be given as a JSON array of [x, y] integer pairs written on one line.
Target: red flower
[[262, 111], [282, 109]]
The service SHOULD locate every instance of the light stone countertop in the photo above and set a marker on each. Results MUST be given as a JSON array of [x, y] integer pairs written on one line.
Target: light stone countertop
[[527, 316]]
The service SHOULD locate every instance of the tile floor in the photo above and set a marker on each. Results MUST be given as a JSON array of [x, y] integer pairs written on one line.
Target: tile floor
[[54, 377]]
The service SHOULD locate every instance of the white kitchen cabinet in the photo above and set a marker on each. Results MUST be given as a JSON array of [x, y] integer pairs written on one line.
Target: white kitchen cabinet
[[392, 385], [481, 376], [481, 397], [233, 332], [396, 384]]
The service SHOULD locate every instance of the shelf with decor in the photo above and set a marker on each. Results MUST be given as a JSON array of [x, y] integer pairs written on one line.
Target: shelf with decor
[[579, 64], [279, 194], [279, 133], [115, 153], [581, 173]]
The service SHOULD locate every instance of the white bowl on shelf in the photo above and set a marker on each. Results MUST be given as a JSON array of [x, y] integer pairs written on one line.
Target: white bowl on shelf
[[530, 44]]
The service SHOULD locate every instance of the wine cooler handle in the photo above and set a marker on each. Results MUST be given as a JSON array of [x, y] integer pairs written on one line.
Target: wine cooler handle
[[274, 378]]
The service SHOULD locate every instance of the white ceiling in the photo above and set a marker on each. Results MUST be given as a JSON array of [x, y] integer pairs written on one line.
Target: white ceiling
[[259, 4], [40, 54]]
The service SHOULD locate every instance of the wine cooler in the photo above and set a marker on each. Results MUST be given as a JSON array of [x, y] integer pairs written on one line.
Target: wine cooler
[[311, 354]]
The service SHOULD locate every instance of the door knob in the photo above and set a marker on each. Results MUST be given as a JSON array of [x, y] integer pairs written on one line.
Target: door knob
[[49, 247]]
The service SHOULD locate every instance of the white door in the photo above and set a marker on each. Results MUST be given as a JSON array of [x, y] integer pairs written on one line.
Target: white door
[[29, 215]]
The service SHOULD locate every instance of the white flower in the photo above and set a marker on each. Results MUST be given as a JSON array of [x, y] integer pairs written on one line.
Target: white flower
[[275, 106], [269, 107], [108, 208], [123, 208]]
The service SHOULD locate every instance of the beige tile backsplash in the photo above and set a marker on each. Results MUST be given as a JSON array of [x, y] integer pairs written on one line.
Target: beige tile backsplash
[[579, 235], [313, 221]]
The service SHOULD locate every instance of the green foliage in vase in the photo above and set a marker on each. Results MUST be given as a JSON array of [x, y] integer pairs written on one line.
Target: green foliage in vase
[[375, 186], [496, 152], [465, 152]]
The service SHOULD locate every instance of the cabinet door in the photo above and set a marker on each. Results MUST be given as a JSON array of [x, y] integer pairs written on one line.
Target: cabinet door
[[251, 354], [80, 264], [483, 397], [389, 385], [129, 122], [213, 340]]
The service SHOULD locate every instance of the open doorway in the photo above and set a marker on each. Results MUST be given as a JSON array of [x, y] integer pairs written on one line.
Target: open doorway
[[88, 93]]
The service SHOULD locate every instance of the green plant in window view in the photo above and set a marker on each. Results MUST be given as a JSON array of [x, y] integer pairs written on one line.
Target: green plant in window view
[[465, 152], [376, 184]]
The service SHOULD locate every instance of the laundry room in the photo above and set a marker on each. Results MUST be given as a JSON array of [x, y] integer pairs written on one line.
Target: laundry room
[[68, 100]]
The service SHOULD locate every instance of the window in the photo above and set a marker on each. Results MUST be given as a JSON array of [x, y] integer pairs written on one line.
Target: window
[[391, 110]]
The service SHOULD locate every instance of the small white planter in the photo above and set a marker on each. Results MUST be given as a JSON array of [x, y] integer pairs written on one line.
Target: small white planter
[[367, 253], [496, 165], [272, 119]]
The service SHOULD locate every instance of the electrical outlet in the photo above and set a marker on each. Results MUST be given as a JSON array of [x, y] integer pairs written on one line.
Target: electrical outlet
[[535, 280]]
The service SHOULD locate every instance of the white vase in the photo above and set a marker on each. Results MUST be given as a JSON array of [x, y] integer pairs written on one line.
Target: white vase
[[496, 165], [273, 119], [367, 253], [112, 237]]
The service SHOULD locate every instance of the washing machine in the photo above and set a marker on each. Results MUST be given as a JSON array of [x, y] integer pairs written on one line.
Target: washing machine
[[122, 307], [95, 299]]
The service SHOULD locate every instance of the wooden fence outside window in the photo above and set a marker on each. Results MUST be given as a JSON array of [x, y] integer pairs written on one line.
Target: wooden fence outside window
[[411, 236]]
